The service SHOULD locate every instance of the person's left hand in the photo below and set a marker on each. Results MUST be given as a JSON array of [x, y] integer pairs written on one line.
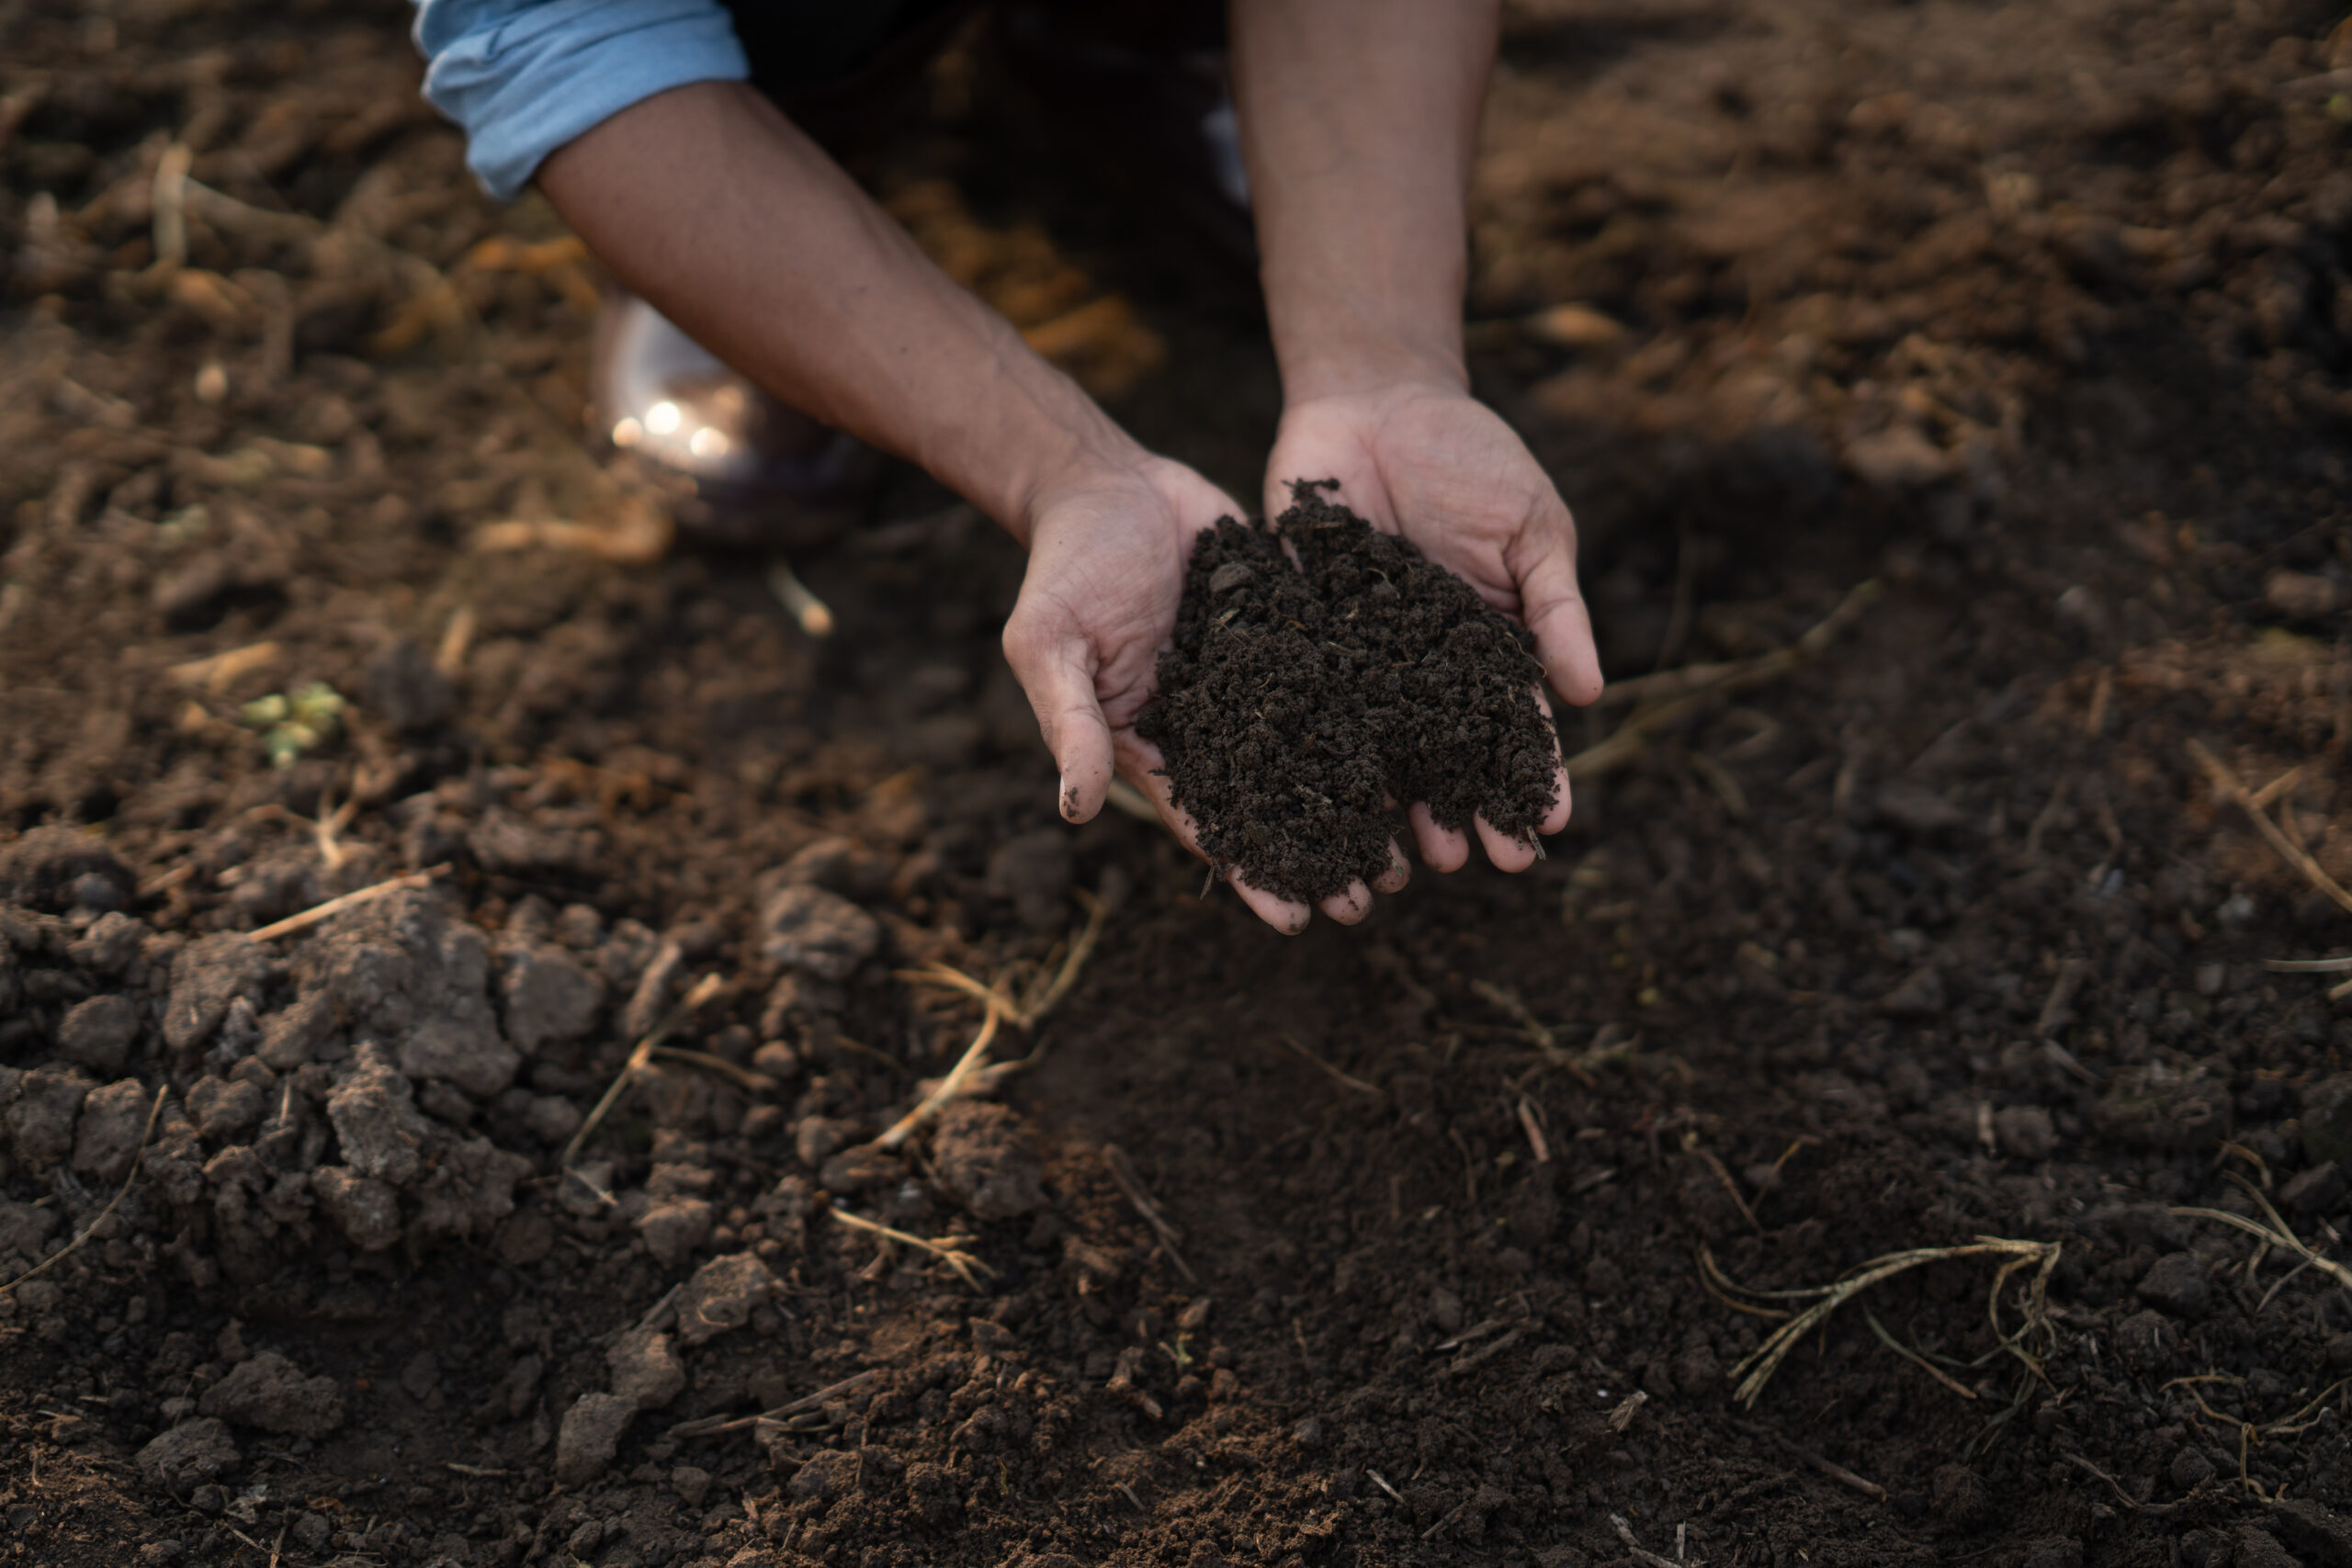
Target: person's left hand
[[1426, 460]]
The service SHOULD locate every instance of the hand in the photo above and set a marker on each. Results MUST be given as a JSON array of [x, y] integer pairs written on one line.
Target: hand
[[1424, 459], [1107, 554]]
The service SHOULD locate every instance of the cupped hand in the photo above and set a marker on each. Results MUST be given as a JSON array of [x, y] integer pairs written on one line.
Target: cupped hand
[[1428, 461], [1107, 554]]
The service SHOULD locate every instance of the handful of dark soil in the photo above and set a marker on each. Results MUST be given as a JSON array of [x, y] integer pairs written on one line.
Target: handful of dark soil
[[1299, 708]]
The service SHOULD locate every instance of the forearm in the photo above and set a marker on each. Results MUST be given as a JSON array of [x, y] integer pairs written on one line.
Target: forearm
[[707, 202], [1358, 118]]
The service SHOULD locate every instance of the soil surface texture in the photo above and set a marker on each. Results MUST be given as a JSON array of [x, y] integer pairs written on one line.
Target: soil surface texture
[[1444, 1239], [1301, 703]]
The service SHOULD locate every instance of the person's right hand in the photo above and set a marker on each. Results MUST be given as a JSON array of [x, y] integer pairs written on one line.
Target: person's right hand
[[1108, 548]]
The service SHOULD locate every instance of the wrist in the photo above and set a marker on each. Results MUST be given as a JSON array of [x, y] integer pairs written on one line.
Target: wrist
[[1031, 437], [1341, 347]]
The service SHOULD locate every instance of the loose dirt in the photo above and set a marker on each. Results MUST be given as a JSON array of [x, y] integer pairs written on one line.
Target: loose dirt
[[1379, 1246], [1302, 702]]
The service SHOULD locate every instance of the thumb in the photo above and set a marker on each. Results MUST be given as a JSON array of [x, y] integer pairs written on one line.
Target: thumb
[[1553, 608], [1056, 671]]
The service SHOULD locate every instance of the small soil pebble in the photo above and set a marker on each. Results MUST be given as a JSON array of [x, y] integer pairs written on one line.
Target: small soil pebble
[[722, 1295], [986, 1161], [590, 1435], [190, 1452], [2177, 1284], [1302, 704], [268, 1390]]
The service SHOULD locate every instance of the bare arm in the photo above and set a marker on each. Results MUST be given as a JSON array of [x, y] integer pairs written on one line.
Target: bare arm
[[706, 201], [1358, 120], [710, 204]]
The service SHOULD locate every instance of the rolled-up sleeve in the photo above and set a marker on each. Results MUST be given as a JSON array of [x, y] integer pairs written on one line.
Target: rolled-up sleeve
[[523, 77]]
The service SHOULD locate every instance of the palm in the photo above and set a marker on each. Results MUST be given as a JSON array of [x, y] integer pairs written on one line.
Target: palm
[[1106, 569], [1441, 469]]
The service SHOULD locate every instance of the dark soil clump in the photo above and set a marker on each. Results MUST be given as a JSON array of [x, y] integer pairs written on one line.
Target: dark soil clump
[[1299, 706]]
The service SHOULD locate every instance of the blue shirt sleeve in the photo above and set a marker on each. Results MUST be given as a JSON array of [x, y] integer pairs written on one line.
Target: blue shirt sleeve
[[523, 77]]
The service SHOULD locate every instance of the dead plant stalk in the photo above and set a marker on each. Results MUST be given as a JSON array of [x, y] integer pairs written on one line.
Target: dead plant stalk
[[1757, 1369], [1024, 1015]]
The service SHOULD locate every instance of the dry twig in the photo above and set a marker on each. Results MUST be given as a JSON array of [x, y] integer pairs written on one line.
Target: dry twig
[[1354, 1083], [947, 1249], [707, 987], [1123, 1171], [2294, 854], [334, 906]]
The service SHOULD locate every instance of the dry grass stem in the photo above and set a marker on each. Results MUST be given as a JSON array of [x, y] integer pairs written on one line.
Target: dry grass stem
[[1534, 1131], [1354, 1083], [2289, 850], [2116, 1487], [129, 1177], [743, 1077], [167, 198], [712, 1425], [217, 672], [1760, 1366], [947, 1249], [1024, 1014], [1634, 1547], [1712, 1280], [2308, 966], [1507, 1000], [1916, 1360], [810, 613], [709, 986], [952, 1084], [1672, 695], [456, 641], [1747, 1211], [1123, 1171], [2275, 1232], [334, 906]]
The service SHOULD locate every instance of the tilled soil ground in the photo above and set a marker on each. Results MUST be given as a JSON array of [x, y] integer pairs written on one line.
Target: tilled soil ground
[[1437, 1240]]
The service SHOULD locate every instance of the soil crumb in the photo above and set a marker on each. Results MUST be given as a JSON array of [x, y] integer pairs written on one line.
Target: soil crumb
[[1302, 702]]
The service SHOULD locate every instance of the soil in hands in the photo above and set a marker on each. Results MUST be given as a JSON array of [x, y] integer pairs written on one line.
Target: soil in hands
[[1302, 702]]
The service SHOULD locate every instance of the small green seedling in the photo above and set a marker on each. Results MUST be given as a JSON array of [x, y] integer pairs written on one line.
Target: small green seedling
[[297, 723]]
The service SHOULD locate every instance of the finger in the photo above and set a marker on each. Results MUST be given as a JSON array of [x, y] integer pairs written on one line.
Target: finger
[[1349, 905], [1286, 915], [1553, 606], [1399, 872], [1556, 817], [1508, 853], [1441, 849], [1140, 764], [1058, 676]]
